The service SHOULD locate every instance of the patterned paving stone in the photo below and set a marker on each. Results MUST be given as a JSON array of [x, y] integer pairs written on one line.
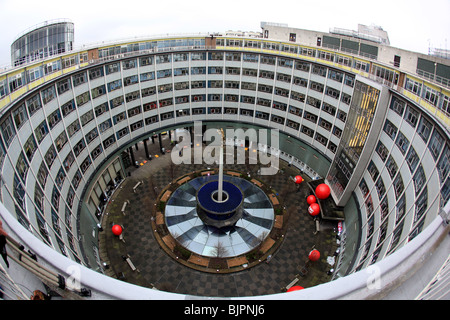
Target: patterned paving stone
[[158, 269]]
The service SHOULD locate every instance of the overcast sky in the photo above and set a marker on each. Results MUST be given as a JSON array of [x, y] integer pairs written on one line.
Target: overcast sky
[[411, 24]]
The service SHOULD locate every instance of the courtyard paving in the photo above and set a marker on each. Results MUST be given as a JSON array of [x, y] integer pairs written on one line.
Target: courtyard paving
[[154, 268]]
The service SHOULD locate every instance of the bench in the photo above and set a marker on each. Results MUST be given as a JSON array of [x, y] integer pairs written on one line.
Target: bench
[[124, 206], [130, 263], [293, 282], [317, 224], [136, 186]]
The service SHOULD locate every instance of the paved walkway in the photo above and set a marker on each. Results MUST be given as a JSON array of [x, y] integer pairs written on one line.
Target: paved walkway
[[155, 268]]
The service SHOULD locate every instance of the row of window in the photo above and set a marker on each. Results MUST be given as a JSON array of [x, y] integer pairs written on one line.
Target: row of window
[[441, 154], [434, 97], [17, 81]]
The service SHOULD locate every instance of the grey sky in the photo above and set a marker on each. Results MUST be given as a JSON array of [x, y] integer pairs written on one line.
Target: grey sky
[[411, 24]]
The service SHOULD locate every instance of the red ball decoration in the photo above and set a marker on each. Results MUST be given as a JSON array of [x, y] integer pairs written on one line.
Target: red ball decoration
[[311, 199], [117, 230], [322, 191], [295, 288], [314, 255], [314, 209], [298, 179]]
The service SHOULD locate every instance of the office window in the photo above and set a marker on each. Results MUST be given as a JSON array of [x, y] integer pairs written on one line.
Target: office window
[[96, 73], [341, 115], [332, 147], [34, 104], [282, 92], [79, 79], [233, 56], [215, 56], [20, 115], [270, 60], [91, 135], [198, 70], [292, 124], [319, 70], [390, 129], [295, 111], [335, 75], [436, 143], [381, 190], [79, 147], [328, 108], [373, 171], [83, 98], [397, 105], [325, 124], [146, 61], [412, 159], [300, 82], [112, 68], [279, 106], [402, 142], [411, 116], [309, 116], [322, 140], [54, 118], [382, 151], [398, 186], [346, 98], [391, 166], [284, 62], [313, 102], [261, 115], [61, 141], [41, 131], [73, 128], [266, 74], [109, 141], [413, 86], [263, 102], [316, 86], [424, 129], [85, 164], [99, 91], [48, 94], [303, 66], [443, 166], [63, 86], [331, 92], [419, 179]]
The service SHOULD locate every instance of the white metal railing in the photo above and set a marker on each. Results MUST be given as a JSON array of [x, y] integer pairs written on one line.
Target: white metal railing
[[439, 286]]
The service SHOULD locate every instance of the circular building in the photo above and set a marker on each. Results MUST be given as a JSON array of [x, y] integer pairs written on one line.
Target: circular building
[[369, 120], [48, 39]]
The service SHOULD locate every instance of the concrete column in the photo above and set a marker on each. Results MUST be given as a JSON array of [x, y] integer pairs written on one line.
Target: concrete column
[[146, 148]]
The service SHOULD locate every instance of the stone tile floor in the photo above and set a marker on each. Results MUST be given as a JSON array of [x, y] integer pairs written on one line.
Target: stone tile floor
[[155, 268]]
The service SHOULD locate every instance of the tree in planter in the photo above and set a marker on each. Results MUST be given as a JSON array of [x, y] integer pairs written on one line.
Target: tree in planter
[[219, 250]]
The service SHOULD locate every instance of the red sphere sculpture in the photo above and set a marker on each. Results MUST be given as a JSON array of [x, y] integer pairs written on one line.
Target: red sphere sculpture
[[295, 288], [117, 230], [311, 199], [322, 191], [314, 255], [298, 179], [314, 209]]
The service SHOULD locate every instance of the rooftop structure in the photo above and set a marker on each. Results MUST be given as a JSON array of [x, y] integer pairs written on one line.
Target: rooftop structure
[[42, 41]]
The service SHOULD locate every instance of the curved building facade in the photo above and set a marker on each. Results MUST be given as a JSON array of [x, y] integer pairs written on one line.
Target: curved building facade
[[376, 131]]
